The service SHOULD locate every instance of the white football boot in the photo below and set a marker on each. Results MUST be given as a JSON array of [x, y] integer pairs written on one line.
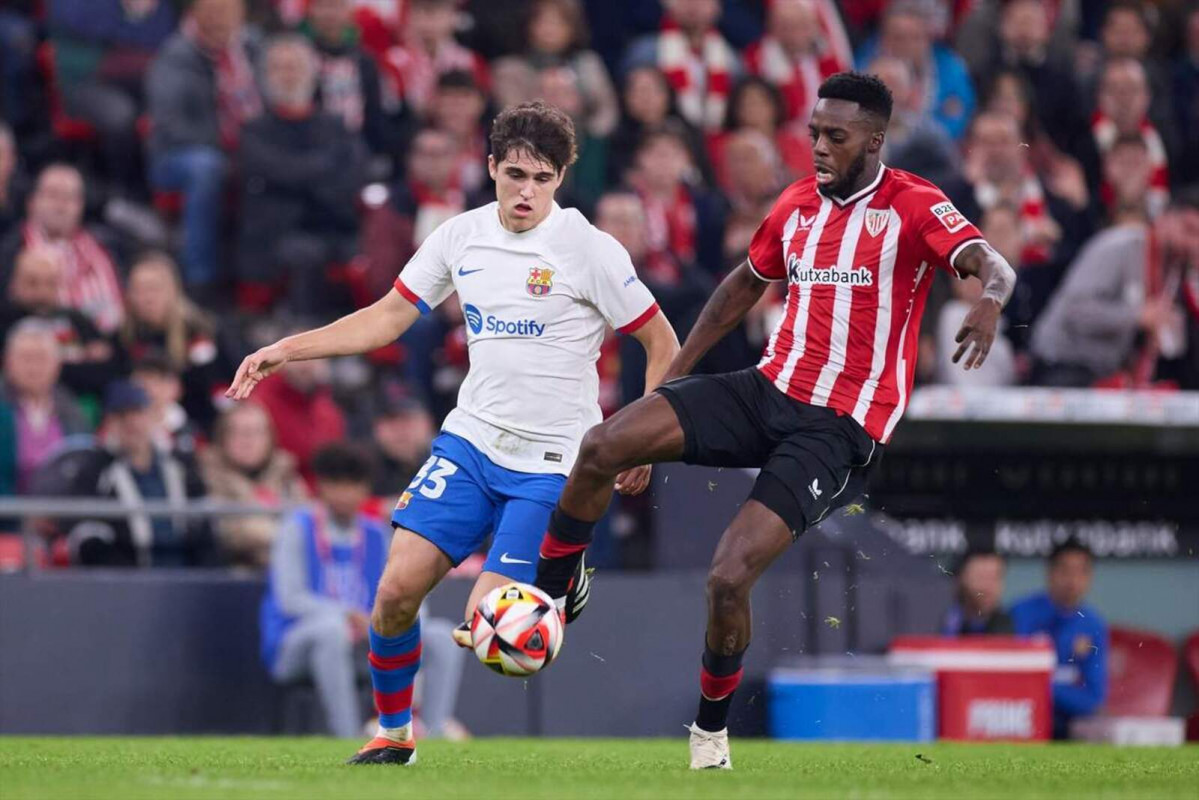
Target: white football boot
[[710, 750]]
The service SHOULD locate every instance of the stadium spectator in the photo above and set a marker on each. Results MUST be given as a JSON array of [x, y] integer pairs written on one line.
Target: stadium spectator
[[89, 359], [754, 176], [243, 465], [556, 35], [1123, 111], [685, 220], [1079, 634], [979, 588], [941, 76], [102, 50], [1002, 226], [427, 52], [300, 172], [303, 410], [402, 432], [12, 182], [1127, 33], [1186, 98], [348, 83], [39, 410], [457, 108], [54, 222], [1023, 47], [173, 430], [647, 102], [1120, 309], [19, 103], [200, 90], [698, 62], [163, 320], [128, 466], [756, 105], [1128, 170], [584, 182], [796, 55], [914, 141]]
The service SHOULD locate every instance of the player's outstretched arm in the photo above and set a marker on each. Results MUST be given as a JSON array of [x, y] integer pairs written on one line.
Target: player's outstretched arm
[[367, 329], [725, 309], [982, 321]]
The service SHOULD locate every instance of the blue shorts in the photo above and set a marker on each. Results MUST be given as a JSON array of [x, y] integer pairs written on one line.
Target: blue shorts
[[459, 496]]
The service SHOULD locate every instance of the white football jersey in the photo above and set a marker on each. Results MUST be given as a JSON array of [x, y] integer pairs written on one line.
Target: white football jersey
[[536, 305]]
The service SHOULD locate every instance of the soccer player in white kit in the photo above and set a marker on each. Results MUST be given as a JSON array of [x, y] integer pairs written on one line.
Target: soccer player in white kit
[[538, 286]]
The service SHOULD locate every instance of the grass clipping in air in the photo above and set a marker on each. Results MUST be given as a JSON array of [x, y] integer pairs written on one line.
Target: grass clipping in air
[[129, 769]]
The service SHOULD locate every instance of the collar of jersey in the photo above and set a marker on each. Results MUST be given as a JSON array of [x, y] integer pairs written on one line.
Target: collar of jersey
[[860, 193], [540, 226]]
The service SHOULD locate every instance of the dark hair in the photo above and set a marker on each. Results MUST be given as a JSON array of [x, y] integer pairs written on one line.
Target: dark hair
[[868, 91], [670, 129], [538, 129], [341, 463], [1129, 140], [1072, 545], [746, 84], [155, 362], [458, 79], [1145, 15], [981, 551], [572, 11]]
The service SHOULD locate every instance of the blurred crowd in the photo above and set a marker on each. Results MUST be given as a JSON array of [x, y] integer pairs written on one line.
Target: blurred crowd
[[184, 180]]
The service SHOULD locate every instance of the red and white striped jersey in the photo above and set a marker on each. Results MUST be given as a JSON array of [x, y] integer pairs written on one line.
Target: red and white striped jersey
[[858, 272]]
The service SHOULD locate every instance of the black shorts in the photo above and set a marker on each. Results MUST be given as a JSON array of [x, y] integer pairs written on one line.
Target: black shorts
[[812, 459]]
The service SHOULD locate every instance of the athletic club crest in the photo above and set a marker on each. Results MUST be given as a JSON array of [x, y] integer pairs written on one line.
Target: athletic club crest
[[540, 282], [876, 220]]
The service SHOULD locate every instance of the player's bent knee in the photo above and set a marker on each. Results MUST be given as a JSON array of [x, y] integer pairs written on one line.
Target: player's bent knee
[[599, 452], [729, 585]]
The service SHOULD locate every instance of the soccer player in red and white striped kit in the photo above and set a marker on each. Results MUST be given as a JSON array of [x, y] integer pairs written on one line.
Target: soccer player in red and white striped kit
[[857, 244]]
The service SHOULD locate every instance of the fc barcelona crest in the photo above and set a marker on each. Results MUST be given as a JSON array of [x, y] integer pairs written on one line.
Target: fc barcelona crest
[[540, 282], [876, 220]]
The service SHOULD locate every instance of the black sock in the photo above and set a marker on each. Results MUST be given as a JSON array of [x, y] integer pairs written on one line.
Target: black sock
[[561, 549], [718, 680]]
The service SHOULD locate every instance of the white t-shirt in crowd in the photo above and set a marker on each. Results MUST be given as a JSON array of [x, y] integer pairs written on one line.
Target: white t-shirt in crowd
[[536, 305]]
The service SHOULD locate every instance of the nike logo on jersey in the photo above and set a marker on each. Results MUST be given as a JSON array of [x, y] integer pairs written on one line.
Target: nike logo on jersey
[[814, 488], [506, 559], [463, 272]]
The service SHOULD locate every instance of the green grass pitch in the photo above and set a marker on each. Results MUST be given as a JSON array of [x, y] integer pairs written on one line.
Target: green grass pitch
[[296, 769]]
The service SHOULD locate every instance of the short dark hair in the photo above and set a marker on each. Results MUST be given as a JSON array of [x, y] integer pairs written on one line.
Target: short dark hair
[[339, 462], [979, 551], [868, 91], [1071, 545], [538, 129], [458, 79], [748, 84]]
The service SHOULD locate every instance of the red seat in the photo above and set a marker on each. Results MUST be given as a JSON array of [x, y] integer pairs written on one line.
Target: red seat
[[1141, 672], [66, 127]]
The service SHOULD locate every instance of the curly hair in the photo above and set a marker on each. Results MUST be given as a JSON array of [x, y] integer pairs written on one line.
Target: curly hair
[[537, 129]]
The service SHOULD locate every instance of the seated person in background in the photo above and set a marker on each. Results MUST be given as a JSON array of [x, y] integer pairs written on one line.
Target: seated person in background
[[300, 173], [163, 320], [243, 465], [34, 292], [403, 436], [979, 589], [55, 222], [325, 565], [36, 412], [131, 468], [173, 430], [1079, 634], [303, 410], [1119, 314]]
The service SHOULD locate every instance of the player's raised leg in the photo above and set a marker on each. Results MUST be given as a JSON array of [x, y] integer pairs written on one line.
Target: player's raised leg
[[756, 537], [414, 567], [645, 432]]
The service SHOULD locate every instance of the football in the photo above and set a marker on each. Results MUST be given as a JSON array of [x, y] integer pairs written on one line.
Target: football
[[516, 630]]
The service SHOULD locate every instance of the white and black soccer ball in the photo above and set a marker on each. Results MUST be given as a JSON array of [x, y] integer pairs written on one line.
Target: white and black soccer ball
[[516, 630]]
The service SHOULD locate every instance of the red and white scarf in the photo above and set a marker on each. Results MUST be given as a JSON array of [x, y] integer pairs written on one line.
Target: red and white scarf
[[702, 101], [237, 97], [413, 71], [90, 282], [671, 226], [433, 208], [796, 78], [1105, 133], [1033, 214]]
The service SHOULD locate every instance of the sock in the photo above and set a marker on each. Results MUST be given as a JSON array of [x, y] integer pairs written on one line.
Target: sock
[[561, 549], [718, 679], [394, 661]]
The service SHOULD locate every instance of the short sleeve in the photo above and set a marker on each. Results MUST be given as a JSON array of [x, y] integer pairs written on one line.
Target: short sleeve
[[766, 248], [426, 279], [944, 230], [614, 288]]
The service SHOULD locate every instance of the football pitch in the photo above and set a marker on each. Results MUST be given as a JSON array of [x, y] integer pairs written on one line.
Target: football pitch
[[126, 768]]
